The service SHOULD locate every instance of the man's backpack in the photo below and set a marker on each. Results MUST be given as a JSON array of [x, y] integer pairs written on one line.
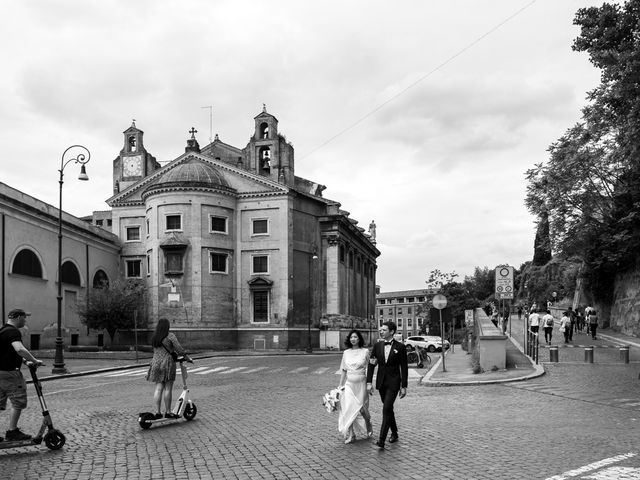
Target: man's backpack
[[549, 322]]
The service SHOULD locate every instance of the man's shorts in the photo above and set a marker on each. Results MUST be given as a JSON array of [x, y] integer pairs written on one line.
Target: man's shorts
[[13, 387]]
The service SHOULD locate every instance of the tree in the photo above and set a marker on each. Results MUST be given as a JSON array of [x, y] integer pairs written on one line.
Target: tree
[[111, 307], [590, 187], [542, 243]]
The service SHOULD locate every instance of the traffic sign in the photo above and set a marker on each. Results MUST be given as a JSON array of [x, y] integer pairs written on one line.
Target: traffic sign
[[439, 301], [504, 282]]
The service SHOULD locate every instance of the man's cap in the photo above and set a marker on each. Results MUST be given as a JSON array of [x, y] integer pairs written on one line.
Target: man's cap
[[18, 312]]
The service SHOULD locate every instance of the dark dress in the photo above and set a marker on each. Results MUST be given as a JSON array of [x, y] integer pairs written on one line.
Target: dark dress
[[163, 367]]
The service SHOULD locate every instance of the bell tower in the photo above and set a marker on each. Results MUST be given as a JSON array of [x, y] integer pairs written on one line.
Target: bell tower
[[269, 153], [133, 163]]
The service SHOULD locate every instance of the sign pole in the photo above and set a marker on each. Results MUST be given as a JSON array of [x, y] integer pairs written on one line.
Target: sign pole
[[439, 302]]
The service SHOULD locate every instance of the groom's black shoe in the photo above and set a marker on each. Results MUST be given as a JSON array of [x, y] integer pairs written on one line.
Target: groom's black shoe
[[393, 438], [380, 445]]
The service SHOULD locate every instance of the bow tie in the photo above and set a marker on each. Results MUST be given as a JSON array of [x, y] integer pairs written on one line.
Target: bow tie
[[388, 343]]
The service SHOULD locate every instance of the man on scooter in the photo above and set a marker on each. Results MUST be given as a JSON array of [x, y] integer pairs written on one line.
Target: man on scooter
[[12, 384]]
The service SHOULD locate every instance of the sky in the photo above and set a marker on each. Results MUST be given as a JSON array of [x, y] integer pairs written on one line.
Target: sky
[[420, 115]]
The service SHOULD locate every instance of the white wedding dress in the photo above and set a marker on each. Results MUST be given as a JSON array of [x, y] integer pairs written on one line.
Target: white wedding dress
[[355, 398]]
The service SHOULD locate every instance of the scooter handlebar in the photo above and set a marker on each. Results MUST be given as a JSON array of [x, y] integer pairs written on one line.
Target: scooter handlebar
[[184, 358]]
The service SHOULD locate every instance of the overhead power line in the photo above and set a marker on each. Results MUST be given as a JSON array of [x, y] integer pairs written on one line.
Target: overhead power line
[[422, 78]]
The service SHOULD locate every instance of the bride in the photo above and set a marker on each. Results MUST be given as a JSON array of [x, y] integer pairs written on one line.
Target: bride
[[354, 402]]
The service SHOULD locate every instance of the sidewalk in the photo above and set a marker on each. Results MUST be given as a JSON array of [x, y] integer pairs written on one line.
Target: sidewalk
[[458, 369]]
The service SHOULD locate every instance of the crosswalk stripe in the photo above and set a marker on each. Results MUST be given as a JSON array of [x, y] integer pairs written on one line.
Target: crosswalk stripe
[[254, 370], [320, 370], [197, 369], [233, 370], [128, 372], [211, 370]]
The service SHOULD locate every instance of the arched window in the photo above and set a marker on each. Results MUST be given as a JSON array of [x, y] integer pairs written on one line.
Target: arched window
[[264, 131], [70, 274], [265, 158], [27, 263], [100, 280]]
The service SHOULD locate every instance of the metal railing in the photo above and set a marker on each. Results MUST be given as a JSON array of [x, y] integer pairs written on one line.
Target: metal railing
[[532, 345]]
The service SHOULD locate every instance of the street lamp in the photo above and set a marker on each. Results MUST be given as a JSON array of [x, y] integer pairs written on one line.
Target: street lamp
[[312, 257], [82, 158]]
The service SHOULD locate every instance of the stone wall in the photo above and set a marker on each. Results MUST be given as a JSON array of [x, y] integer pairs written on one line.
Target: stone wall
[[625, 310]]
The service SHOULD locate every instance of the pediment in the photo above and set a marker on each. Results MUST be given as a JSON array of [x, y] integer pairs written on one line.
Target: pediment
[[241, 182]]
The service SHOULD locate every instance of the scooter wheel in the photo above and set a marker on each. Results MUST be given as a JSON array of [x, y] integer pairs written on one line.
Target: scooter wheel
[[421, 365], [143, 420], [190, 411], [54, 439]]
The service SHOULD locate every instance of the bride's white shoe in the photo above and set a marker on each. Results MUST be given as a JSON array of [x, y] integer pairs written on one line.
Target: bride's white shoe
[[349, 440]]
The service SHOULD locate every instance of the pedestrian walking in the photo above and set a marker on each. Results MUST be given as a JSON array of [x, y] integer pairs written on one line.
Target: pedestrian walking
[[587, 310], [547, 322], [579, 320], [505, 320], [12, 384], [565, 326], [390, 356], [593, 323], [519, 312], [354, 415], [534, 322], [572, 321], [162, 370]]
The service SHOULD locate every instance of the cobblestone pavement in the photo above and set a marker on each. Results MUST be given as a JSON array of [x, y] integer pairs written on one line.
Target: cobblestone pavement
[[261, 417]]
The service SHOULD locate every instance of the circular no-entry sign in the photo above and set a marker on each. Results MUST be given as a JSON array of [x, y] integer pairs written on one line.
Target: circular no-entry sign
[[439, 301]]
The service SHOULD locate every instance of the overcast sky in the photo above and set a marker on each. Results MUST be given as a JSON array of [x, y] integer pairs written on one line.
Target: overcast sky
[[421, 115]]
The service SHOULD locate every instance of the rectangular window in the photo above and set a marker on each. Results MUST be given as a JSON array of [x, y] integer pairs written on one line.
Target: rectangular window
[[399, 310], [419, 321], [382, 301], [391, 311], [148, 263], [420, 299], [260, 264], [133, 268], [99, 223], [260, 226], [399, 324], [261, 307], [133, 234], [401, 300], [218, 262], [409, 299], [218, 224], [173, 222], [173, 262], [109, 222], [409, 323], [409, 310], [381, 311], [147, 225]]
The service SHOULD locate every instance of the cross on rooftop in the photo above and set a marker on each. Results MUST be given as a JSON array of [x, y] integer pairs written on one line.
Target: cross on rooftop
[[193, 132]]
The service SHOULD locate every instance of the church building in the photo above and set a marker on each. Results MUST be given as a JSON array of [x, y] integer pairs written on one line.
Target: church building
[[235, 249]]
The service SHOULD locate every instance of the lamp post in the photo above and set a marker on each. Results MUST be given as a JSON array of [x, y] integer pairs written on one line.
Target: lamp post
[[312, 257], [82, 158]]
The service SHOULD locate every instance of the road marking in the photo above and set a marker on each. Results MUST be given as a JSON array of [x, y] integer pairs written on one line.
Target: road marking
[[197, 369], [616, 473], [211, 370], [299, 370], [254, 370], [320, 371], [593, 466], [128, 372], [233, 370]]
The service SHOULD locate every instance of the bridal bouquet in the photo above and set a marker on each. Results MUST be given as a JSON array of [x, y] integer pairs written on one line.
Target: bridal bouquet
[[331, 400]]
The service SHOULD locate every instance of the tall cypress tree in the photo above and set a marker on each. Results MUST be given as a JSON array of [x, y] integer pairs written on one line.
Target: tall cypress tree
[[542, 243]]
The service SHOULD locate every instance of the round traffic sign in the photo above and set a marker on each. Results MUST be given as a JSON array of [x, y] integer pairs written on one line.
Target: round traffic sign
[[439, 301]]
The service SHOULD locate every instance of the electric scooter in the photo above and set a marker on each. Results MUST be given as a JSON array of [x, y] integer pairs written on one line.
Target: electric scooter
[[184, 407], [53, 439]]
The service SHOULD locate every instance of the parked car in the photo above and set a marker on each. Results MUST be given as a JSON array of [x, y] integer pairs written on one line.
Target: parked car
[[430, 342]]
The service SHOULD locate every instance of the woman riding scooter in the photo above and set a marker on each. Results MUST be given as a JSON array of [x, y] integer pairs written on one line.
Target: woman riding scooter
[[162, 370]]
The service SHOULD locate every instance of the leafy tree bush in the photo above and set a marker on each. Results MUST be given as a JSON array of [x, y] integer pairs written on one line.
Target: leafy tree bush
[[111, 306]]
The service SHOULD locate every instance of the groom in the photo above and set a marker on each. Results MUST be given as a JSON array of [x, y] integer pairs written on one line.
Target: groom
[[391, 358]]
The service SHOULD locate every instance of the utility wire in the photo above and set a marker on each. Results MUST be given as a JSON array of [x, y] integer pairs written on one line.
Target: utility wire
[[424, 77]]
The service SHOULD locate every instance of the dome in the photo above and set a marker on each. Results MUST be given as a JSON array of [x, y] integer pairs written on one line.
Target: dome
[[193, 173]]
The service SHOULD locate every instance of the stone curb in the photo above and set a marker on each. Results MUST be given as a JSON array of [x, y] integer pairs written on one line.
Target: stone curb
[[426, 379]]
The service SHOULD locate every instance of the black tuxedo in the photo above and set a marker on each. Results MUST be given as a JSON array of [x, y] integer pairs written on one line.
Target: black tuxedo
[[392, 375]]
